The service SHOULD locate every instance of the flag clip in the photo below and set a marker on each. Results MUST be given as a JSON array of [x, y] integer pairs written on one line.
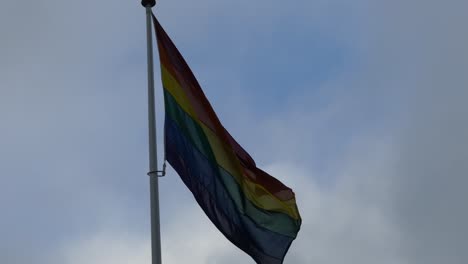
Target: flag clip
[[159, 173]]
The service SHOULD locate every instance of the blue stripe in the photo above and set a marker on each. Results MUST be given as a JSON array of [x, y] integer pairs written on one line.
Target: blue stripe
[[202, 178]]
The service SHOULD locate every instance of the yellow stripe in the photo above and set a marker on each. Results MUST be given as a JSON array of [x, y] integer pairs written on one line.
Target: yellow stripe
[[173, 87], [225, 157]]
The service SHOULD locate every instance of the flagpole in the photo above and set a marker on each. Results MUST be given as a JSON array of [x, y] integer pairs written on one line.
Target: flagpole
[[153, 160]]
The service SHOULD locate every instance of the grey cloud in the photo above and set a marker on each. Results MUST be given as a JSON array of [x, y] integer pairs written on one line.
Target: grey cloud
[[425, 44], [64, 140], [59, 126]]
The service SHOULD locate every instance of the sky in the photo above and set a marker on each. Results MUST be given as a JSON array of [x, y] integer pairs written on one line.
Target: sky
[[358, 106]]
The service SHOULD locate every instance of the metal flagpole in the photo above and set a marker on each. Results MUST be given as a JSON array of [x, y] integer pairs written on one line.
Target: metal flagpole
[[153, 160]]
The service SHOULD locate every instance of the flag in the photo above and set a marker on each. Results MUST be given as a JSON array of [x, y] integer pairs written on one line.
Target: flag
[[253, 210]]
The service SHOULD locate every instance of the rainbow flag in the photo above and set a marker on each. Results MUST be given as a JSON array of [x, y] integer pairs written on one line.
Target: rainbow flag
[[255, 211]]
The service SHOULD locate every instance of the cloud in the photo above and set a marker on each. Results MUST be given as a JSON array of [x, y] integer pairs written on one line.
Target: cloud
[[114, 247], [348, 221], [424, 46], [371, 133]]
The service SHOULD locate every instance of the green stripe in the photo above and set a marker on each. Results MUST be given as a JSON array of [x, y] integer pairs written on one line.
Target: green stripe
[[274, 221]]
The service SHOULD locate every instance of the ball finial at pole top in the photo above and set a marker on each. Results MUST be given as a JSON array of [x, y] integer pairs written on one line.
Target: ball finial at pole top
[[148, 3]]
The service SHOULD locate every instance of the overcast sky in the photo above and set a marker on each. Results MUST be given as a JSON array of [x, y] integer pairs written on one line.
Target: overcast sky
[[359, 106]]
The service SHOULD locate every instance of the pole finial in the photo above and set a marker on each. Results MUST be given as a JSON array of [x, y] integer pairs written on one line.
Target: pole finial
[[148, 3]]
